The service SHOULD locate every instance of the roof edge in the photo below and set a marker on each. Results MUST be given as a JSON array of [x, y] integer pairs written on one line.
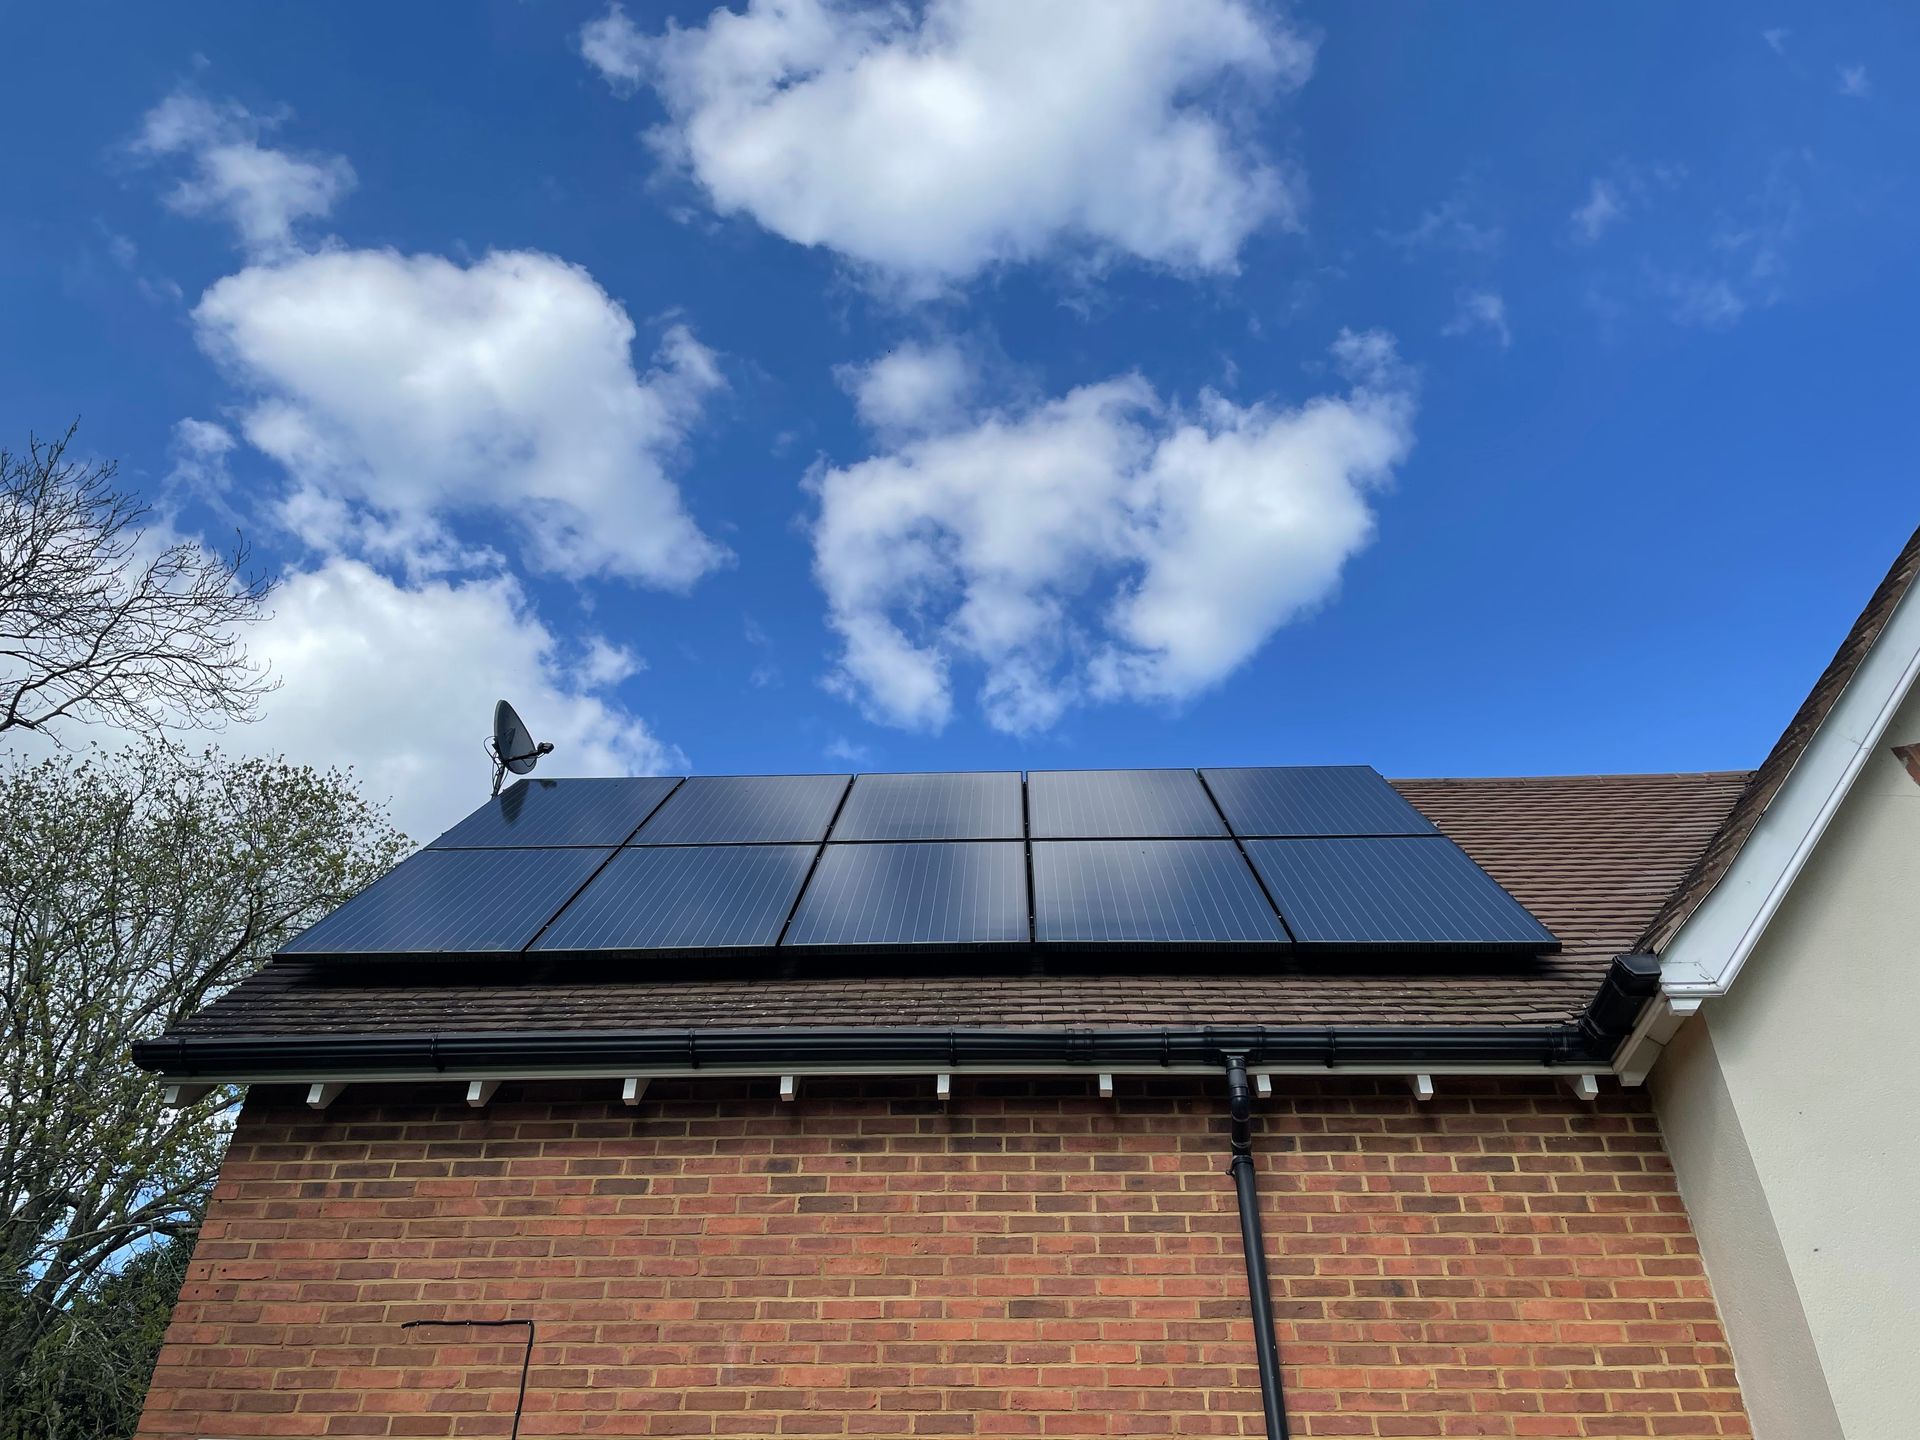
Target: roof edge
[[248, 1059], [1705, 934], [1858, 677]]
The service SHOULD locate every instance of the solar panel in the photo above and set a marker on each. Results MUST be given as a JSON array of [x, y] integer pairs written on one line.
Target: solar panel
[[932, 807], [453, 901], [1097, 804], [1313, 800], [746, 809], [687, 897], [1398, 890], [560, 812], [925, 893], [1170, 892]]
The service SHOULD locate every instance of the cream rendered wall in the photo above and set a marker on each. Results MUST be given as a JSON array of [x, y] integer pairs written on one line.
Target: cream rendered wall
[[1790, 1109]]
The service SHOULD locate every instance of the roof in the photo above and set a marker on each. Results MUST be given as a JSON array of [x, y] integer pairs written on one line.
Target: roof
[[1726, 843], [1592, 856]]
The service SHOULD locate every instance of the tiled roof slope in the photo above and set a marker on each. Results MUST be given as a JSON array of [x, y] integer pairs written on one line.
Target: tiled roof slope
[[1592, 856], [1718, 856]]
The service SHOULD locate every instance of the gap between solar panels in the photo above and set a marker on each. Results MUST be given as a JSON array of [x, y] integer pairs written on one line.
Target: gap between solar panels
[[1324, 860]]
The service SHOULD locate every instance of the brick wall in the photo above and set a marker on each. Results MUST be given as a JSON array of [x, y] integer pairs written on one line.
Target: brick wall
[[1030, 1260]]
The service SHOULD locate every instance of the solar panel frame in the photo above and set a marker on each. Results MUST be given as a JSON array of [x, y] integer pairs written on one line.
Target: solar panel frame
[[1311, 801], [920, 895], [454, 902], [546, 814], [679, 899], [1120, 805], [747, 810], [1099, 893], [1397, 893], [949, 805]]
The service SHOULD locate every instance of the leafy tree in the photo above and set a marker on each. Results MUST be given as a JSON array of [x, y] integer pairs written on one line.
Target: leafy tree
[[134, 889], [92, 1367], [105, 621]]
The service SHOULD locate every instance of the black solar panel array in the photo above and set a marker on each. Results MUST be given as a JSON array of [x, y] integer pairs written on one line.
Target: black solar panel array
[[538, 814], [454, 902], [747, 810], [1308, 858], [968, 892], [933, 807], [1120, 805], [1134, 892], [684, 897]]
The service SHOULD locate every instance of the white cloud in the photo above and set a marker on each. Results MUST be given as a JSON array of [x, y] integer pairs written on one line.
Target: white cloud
[[1603, 207], [606, 663], [930, 144], [403, 396], [262, 192], [1628, 187], [910, 389], [1854, 83], [1103, 545], [399, 682], [1450, 225], [1747, 267], [1776, 39], [614, 46], [1481, 310], [843, 751], [1710, 302], [200, 450], [401, 392]]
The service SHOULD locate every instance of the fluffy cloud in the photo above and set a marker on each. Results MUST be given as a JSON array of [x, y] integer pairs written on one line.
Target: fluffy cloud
[[404, 395], [1103, 545], [402, 391], [262, 192], [909, 389], [399, 682], [932, 143], [617, 48]]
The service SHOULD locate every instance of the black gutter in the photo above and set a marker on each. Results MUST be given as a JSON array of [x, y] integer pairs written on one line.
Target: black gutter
[[297, 1056], [1254, 1244], [1591, 1039]]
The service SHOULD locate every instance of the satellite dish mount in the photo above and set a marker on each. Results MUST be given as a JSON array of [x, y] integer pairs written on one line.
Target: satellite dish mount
[[512, 746]]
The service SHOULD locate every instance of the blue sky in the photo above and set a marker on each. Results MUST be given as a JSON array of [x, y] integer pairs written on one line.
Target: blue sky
[[1460, 390]]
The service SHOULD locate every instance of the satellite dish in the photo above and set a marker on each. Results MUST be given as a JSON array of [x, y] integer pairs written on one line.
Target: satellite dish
[[512, 746]]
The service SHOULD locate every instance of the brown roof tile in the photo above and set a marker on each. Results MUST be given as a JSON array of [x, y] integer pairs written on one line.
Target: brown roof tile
[[1592, 856]]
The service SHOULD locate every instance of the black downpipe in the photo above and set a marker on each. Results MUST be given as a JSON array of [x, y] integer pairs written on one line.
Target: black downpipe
[[1272, 1392]]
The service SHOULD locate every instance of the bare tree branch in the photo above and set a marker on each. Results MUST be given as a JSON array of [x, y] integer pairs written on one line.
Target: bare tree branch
[[104, 621]]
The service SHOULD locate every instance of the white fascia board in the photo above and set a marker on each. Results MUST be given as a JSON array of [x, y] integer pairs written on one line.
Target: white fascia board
[[1704, 958]]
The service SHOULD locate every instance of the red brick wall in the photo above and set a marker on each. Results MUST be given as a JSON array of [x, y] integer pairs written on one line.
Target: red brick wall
[[1030, 1260]]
